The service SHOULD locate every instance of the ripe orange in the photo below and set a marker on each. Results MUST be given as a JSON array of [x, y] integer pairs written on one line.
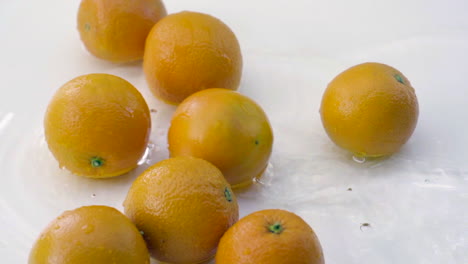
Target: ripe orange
[[183, 205], [270, 237], [370, 109], [188, 52], [90, 234], [97, 125], [225, 128], [116, 30]]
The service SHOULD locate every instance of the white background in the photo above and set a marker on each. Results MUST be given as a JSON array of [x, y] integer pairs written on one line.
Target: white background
[[416, 201]]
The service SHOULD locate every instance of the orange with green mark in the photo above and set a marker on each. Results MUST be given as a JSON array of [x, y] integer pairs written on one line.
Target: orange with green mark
[[97, 126]]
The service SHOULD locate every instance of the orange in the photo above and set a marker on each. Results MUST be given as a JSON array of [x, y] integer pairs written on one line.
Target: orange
[[90, 234], [97, 125], [116, 30], [188, 52], [270, 237], [225, 128], [183, 205], [370, 109]]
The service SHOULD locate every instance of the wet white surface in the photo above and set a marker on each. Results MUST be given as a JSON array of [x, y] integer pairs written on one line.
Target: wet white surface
[[409, 208]]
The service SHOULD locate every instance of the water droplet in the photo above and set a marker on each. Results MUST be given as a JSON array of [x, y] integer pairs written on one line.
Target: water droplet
[[266, 177], [147, 155], [153, 110], [359, 159], [258, 180], [93, 195]]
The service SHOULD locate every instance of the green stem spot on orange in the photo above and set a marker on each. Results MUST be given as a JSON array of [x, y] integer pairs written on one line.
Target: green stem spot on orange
[[228, 194], [257, 142], [276, 228], [87, 27], [97, 162], [399, 78]]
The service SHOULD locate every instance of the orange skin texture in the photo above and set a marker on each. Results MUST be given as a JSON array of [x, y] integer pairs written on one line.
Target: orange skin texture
[[370, 110], [187, 52], [225, 128], [183, 205], [90, 234], [97, 115], [116, 30], [251, 241]]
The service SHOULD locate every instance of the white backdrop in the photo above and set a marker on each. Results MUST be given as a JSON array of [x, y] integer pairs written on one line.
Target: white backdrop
[[415, 202]]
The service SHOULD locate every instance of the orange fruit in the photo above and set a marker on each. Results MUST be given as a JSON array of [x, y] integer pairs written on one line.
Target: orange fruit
[[270, 237], [97, 125], [116, 30], [188, 52], [183, 205], [90, 234], [225, 128], [370, 109]]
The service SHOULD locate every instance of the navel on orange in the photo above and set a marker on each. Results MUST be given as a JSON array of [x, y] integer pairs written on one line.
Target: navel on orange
[[97, 125], [225, 128], [90, 234], [187, 52], [370, 109], [270, 237], [183, 205], [116, 30]]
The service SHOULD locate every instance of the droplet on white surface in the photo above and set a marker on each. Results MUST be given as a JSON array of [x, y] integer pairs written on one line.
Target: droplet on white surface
[[5, 120], [359, 159], [266, 176], [147, 155]]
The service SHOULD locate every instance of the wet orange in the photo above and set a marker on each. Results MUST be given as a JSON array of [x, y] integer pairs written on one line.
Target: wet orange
[[187, 52], [270, 237], [97, 125], [225, 128], [90, 234], [116, 30], [183, 205], [370, 109]]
